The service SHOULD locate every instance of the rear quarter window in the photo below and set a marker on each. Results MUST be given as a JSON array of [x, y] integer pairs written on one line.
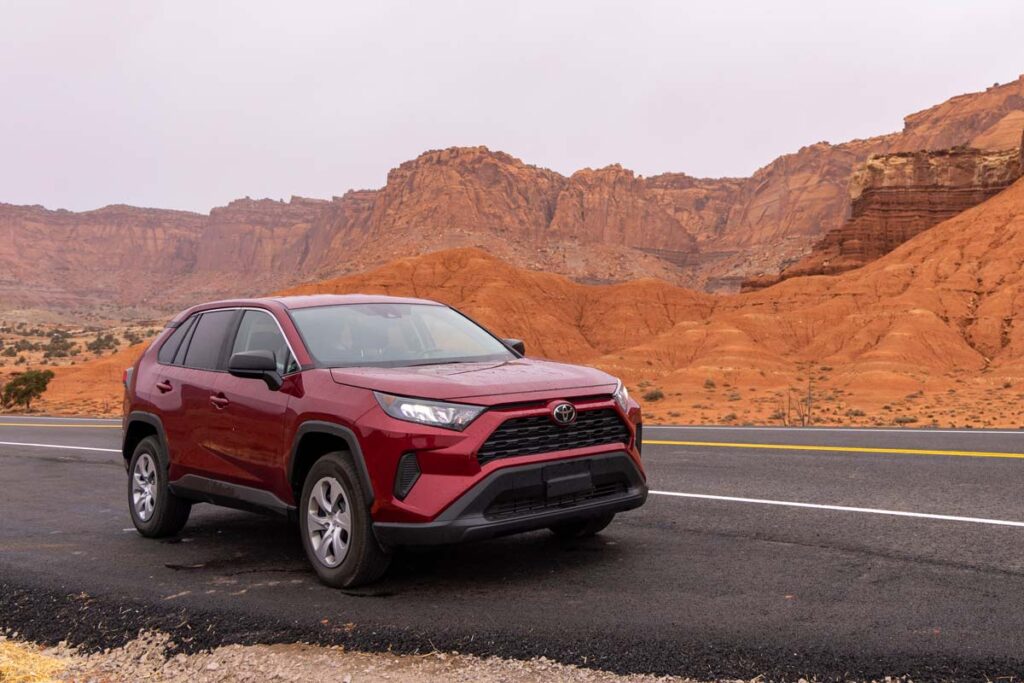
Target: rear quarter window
[[170, 347]]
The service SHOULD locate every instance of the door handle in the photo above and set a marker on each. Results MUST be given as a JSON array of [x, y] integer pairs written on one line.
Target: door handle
[[164, 386], [219, 401]]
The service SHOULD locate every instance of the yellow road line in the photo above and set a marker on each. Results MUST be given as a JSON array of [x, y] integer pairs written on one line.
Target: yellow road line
[[48, 426], [840, 449]]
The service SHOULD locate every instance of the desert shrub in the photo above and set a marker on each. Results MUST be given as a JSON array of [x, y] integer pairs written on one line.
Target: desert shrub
[[59, 346], [731, 417], [102, 342], [905, 419], [855, 412], [25, 387], [709, 383], [654, 395], [9, 352]]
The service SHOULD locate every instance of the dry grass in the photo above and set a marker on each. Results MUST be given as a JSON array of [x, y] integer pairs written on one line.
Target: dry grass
[[152, 657], [21, 663]]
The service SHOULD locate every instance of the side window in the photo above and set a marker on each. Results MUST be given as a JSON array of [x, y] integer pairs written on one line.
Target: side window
[[208, 339], [259, 332], [170, 347]]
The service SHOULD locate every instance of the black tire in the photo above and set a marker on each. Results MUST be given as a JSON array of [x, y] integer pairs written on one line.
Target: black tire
[[168, 513], [364, 560], [582, 528]]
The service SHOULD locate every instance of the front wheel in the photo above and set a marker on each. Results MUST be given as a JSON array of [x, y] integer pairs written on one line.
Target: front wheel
[[337, 532], [582, 528], [155, 510]]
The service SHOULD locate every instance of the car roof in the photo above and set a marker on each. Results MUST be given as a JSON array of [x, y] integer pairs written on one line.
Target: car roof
[[307, 301], [312, 300]]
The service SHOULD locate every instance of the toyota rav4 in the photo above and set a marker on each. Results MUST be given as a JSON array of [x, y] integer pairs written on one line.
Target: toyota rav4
[[377, 422]]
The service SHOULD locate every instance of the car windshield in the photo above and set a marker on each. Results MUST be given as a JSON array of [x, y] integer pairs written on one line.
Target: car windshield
[[394, 335]]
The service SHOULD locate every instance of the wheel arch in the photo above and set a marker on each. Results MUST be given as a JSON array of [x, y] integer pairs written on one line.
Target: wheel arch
[[138, 426], [316, 438]]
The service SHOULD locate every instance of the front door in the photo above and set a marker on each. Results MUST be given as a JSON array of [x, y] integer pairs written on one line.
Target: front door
[[247, 436]]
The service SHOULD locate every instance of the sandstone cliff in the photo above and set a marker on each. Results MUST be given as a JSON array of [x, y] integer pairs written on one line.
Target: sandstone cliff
[[789, 204], [930, 333], [596, 225], [896, 196]]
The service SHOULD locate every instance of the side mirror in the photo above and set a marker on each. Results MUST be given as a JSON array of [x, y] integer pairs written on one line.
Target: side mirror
[[256, 365], [516, 345]]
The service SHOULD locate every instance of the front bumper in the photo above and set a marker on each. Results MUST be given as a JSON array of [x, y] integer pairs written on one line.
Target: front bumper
[[527, 497]]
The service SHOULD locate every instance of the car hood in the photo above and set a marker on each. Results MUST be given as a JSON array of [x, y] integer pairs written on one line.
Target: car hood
[[483, 383]]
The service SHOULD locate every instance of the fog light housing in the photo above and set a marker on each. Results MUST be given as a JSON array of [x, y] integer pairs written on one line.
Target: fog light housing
[[407, 475]]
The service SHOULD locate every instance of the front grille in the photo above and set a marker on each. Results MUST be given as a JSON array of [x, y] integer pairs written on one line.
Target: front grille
[[538, 434], [512, 505]]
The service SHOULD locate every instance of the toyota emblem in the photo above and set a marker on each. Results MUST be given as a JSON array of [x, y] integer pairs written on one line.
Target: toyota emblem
[[563, 413]]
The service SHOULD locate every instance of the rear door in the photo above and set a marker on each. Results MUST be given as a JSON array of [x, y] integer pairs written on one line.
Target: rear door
[[187, 385], [166, 394], [247, 436]]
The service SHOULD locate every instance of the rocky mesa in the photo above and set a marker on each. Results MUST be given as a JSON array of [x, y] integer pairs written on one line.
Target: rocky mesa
[[928, 334], [596, 225]]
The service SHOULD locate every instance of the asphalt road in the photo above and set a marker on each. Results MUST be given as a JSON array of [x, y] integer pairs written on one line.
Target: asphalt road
[[828, 553]]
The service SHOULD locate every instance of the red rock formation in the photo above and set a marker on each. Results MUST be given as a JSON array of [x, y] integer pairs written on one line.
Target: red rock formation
[[611, 205], [927, 334], [897, 196], [596, 225], [790, 203]]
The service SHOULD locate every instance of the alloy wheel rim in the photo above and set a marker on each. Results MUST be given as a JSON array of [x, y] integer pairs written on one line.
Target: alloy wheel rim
[[144, 487], [329, 522]]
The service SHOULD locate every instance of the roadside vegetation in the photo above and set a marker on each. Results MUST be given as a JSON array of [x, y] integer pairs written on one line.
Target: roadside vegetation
[[25, 387], [31, 354]]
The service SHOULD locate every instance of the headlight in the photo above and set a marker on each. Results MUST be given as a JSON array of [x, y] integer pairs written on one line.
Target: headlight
[[621, 397], [455, 416]]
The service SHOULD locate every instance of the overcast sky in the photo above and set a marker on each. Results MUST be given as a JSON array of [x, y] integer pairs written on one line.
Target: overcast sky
[[191, 104]]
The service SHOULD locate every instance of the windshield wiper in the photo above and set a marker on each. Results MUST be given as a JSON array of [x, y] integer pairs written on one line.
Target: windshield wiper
[[436, 362]]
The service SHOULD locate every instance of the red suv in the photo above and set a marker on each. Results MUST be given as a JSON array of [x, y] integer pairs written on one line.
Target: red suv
[[376, 422]]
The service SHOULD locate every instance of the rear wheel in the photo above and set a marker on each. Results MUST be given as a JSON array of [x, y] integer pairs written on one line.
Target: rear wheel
[[155, 510], [582, 528], [337, 531]]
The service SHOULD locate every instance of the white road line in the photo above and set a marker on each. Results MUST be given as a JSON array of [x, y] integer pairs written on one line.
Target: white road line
[[840, 508], [861, 430], [60, 445]]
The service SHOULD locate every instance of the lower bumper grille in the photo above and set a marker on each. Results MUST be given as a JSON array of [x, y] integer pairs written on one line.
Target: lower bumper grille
[[511, 505], [538, 434]]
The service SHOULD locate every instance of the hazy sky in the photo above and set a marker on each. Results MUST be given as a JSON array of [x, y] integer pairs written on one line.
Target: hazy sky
[[191, 104]]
